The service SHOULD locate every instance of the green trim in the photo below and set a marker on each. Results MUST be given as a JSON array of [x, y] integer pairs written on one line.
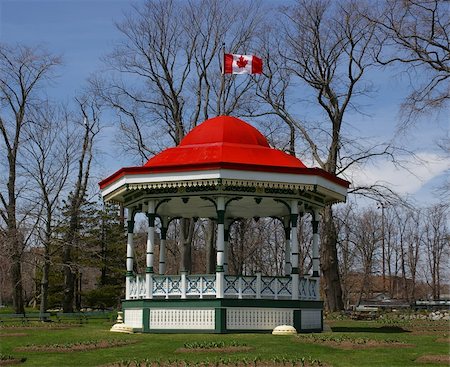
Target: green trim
[[149, 269], [321, 320], [130, 226], [297, 320], [146, 320], [220, 302], [129, 274], [287, 233], [220, 315], [151, 219], [315, 226], [294, 271], [294, 219], [220, 216], [182, 331], [219, 269], [163, 233]]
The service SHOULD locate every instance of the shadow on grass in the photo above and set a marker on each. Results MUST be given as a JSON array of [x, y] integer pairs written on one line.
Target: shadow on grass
[[381, 329]]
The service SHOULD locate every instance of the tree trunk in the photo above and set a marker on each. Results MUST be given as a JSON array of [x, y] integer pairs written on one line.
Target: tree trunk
[[186, 234], [210, 248], [329, 263], [68, 280], [44, 285], [16, 278]]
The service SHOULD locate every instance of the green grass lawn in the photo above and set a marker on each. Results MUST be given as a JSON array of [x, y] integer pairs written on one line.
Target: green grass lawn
[[352, 343]]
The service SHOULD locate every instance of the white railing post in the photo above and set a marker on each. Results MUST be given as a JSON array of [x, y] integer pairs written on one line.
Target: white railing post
[[240, 286], [200, 284], [183, 285], [167, 287], [130, 252]]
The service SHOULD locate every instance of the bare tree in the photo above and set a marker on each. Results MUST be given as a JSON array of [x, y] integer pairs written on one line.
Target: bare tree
[[327, 47], [89, 126], [416, 34], [345, 218], [367, 241], [165, 77], [437, 245], [50, 150], [23, 71]]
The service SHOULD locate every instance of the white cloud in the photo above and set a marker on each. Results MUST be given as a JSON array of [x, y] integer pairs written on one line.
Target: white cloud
[[409, 178]]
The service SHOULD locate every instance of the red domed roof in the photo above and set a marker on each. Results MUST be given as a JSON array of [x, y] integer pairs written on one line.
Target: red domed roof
[[221, 143], [225, 129], [224, 142]]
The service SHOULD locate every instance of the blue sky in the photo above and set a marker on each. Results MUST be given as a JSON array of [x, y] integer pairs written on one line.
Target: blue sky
[[82, 31]]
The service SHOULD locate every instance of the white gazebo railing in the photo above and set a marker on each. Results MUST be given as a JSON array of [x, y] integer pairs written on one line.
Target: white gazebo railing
[[236, 286]]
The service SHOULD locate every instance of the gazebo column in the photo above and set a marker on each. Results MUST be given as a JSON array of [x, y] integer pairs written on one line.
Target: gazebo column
[[162, 246], [130, 252], [150, 250], [315, 244], [294, 246], [315, 251], [220, 246], [226, 237], [287, 246]]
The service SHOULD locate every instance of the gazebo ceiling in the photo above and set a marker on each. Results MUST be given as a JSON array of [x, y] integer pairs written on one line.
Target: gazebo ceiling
[[223, 156]]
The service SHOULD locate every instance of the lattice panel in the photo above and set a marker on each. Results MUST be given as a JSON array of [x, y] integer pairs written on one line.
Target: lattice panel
[[133, 288], [311, 319], [308, 289], [258, 318], [182, 319], [133, 318]]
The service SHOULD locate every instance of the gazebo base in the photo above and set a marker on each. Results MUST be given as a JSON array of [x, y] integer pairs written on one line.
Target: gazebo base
[[221, 315]]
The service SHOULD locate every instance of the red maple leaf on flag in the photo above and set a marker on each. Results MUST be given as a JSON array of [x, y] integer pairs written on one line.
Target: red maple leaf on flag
[[241, 63]]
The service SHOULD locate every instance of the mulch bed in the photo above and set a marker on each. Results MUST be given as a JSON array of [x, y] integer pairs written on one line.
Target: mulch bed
[[46, 326], [349, 345], [444, 359], [214, 350], [79, 347], [12, 334], [240, 364], [445, 339], [12, 361]]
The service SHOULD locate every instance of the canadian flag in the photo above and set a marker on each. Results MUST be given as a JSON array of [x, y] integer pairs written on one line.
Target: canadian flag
[[241, 64]]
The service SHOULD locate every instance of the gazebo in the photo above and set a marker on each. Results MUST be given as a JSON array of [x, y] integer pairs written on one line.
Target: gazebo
[[224, 169]]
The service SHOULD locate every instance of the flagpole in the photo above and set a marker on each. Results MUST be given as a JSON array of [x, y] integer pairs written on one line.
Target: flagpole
[[222, 82]]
